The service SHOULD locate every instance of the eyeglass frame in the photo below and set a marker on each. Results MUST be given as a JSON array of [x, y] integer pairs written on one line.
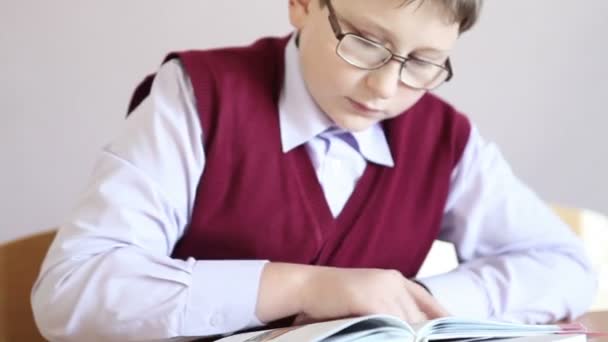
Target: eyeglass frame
[[337, 29]]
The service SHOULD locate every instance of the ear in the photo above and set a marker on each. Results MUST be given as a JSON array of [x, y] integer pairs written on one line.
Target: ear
[[299, 11]]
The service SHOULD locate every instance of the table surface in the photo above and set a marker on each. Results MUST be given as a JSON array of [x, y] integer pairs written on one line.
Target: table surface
[[596, 321]]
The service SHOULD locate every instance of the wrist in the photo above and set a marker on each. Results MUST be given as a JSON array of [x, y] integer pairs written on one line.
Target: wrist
[[302, 285], [283, 290], [309, 278]]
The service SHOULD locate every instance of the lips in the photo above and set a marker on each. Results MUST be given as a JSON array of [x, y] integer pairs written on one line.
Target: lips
[[365, 109]]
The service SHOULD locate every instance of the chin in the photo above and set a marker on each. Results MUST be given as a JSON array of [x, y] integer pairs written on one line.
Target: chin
[[355, 124]]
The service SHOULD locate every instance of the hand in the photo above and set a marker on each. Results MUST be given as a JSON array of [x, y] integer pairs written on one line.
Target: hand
[[331, 293]]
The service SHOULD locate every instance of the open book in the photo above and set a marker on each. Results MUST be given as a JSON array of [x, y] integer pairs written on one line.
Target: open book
[[388, 328]]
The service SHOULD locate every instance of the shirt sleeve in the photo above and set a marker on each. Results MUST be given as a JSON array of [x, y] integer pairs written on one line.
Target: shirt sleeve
[[517, 260], [109, 275]]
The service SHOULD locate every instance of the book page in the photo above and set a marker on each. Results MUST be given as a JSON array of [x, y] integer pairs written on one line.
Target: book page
[[453, 327], [546, 338], [363, 329], [387, 328]]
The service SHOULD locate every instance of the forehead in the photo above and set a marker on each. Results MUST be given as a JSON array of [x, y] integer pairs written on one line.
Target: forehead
[[407, 25]]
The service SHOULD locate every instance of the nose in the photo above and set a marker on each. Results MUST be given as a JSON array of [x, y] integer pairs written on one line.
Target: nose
[[384, 82]]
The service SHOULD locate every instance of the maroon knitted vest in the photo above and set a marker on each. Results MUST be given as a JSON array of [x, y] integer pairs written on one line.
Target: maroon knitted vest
[[255, 202]]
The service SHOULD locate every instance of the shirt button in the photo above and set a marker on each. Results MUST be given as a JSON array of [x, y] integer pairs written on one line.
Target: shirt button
[[217, 320]]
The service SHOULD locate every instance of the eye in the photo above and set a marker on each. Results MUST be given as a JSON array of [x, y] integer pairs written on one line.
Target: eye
[[419, 64], [370, 38], [364, 34], [434, 60], [367, 44]]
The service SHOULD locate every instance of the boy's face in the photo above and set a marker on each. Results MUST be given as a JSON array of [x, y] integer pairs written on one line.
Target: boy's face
[[355, 99]]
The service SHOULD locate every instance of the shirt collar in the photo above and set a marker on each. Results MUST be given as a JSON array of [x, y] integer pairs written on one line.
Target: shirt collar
[[301, 119], [373, 145]]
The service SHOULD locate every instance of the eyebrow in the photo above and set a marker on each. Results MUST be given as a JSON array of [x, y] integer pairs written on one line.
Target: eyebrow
[[373, 26]]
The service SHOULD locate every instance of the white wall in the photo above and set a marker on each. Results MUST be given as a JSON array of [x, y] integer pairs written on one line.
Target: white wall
[[533, 75]]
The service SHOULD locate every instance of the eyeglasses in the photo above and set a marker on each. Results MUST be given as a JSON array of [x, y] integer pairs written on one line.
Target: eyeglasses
[[369, 55]]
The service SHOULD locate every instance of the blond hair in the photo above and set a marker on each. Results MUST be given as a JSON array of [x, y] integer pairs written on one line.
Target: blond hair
[[463, 12]]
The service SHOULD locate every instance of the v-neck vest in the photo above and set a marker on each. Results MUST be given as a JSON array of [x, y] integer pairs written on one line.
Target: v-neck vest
[[254, 201]]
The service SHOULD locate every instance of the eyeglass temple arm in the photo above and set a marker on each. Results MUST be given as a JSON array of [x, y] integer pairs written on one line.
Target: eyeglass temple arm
[[333, 21]]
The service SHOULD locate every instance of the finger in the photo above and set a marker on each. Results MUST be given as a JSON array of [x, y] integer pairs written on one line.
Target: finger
[[302, 319], [410, 311], [417, 316], [398, 310], [429, 305]]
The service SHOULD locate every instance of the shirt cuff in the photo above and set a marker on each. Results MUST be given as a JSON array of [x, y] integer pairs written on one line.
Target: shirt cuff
[[223, 297], [460, 293]]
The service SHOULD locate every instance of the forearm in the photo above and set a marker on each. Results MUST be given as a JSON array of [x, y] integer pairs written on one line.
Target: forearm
[[125, 294], [532, 287], [519, 260]]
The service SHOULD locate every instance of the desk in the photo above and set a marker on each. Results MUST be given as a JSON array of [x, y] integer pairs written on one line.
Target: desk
[[596, 321]]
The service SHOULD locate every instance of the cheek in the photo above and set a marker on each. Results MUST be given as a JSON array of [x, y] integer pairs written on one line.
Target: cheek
[[326, 74], [344, 79], [329, 75]]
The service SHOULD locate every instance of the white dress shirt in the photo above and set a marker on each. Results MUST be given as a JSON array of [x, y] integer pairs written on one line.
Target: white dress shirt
[[109, 274]]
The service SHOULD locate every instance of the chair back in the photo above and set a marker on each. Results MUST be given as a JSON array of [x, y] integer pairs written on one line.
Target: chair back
[[20, 262]]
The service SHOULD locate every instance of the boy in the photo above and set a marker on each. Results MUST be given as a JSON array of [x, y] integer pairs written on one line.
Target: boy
[[306, 177]]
